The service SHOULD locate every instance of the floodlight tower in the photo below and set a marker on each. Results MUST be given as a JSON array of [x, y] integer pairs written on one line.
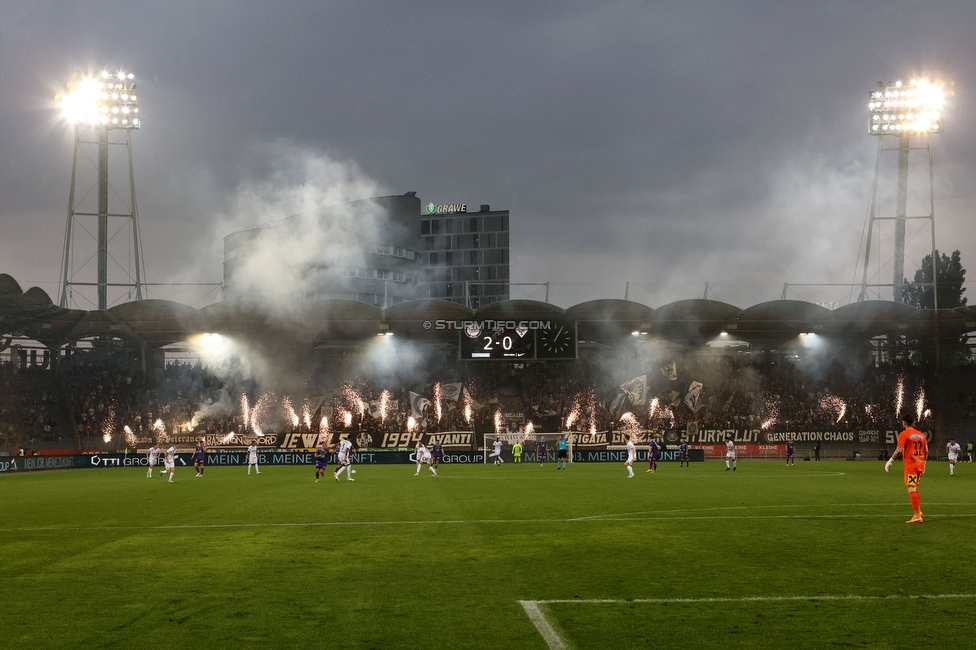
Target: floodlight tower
[[101, 104], [901, 111]]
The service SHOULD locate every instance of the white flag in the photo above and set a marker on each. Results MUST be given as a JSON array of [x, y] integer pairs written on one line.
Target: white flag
[[636, 390], [694, 392], [670, 371], [451, 392], [418, 404]]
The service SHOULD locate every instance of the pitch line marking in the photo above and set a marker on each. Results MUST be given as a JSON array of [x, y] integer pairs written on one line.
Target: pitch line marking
[[555, 642], [429, 522]]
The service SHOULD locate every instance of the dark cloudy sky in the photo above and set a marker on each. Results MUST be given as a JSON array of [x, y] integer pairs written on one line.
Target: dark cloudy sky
[[667, 144]]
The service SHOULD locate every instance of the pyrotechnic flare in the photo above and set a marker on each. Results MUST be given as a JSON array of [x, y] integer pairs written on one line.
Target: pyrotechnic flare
[[256, 412], [411, 423], [130, 438], [630, 423], [468, 410], [108, 425], [834, 405], [159, 430], [498, 421], [289, 412], [920, 403], [667, 414], [107, 437], [591, 405], [226, 439], [245, 411], [529, 429], [437, 400], [575, 413], [324, 429], [307, 414], [653, 407], [347, 418], [899, 395], [772, 411], [384, 404], [353, 399]]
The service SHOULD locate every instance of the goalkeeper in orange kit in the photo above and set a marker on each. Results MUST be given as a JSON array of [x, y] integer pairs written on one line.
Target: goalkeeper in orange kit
[[914, 449]]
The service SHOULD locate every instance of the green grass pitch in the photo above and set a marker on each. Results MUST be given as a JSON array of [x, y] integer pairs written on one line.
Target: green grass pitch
[[812, 556]]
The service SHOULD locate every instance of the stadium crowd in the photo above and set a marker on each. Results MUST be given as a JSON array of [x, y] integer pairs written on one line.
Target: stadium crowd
[[190, 398]]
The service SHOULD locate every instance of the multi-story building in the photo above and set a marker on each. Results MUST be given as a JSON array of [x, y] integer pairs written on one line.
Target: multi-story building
[[465, 254], [368, 251]]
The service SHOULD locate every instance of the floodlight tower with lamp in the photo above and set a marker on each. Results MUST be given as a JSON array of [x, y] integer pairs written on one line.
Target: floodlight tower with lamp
[[903, 110], [101, 104]]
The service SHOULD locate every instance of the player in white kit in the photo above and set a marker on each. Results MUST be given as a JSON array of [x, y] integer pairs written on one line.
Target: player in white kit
[[729, 454], [169, 463], [252, 458], [497, 454], [953, 449], [423, 456], [153, 457], [631, 456], [344, 460]]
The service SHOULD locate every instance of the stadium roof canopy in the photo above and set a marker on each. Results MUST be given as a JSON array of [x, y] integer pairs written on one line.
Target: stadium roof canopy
[[156, 323]]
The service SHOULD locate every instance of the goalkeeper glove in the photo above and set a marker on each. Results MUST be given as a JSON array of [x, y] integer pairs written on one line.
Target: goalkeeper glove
[[888, 464]]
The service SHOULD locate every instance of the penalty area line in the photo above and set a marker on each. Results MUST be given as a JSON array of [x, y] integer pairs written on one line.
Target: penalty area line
[[533, 608]]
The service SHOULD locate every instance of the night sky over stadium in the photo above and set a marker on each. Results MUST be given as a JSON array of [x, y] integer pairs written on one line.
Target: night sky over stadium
[[662, 143]]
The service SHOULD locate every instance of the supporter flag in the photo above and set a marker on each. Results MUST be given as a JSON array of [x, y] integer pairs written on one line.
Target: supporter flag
[[451, 392], [694, 393], [374, 409], [418, 404], [617, 406], [636, 390], [670, 371]]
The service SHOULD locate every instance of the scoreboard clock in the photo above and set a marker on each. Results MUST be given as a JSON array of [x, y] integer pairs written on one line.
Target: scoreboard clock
[[558, 341], [525, 340]]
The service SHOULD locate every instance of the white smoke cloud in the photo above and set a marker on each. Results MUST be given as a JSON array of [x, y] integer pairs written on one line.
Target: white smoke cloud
[[303, 196]]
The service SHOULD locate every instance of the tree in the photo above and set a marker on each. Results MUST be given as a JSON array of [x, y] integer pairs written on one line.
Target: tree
[[950, 276]]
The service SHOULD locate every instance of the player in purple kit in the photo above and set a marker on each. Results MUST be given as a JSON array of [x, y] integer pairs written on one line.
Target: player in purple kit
[[437, 451], [321, 460], [543, 448], [683, 459], [653, 455], [791, 453], [199, 458]]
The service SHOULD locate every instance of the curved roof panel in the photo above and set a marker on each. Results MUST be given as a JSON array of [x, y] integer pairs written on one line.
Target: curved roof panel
[[608, 318], [692, 322]]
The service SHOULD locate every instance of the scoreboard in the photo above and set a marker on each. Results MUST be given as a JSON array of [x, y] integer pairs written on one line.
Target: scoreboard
[[525, 340]]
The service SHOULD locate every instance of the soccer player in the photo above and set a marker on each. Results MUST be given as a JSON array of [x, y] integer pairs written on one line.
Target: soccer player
[[321, 460], [517, 451], [914, 449], [543, 449], [683, 454], [252, 458], [169, 462], [729, 454], [152, 457], [631, 456], [423, 456], [653, 455], [953, 450], [344, 459], [791, 453], [562, 455], [199, 458], [437, 451], [497, 454]]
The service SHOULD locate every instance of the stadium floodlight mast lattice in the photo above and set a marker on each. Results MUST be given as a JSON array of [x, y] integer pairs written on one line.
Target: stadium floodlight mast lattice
[[102, 103], [903, 110]]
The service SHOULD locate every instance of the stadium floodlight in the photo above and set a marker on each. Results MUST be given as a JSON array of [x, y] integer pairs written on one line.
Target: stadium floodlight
[[903, 110], [105, 100], [914, 108]]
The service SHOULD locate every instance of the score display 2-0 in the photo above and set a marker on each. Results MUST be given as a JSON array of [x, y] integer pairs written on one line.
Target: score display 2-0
[[524, 340]]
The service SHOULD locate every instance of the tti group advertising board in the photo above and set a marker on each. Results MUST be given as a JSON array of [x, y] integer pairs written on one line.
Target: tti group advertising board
[[517, 340]]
